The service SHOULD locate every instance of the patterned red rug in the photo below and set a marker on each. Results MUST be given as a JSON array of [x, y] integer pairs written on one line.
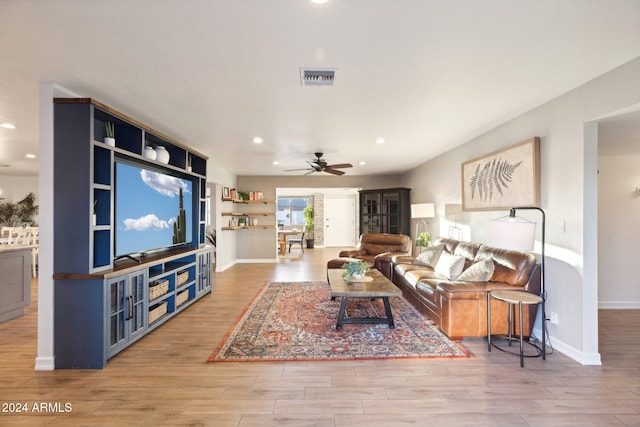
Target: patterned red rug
[[291, 321]]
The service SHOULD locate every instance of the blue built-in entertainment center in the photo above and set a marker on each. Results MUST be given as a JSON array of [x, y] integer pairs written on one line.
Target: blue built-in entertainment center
[[129, 231]]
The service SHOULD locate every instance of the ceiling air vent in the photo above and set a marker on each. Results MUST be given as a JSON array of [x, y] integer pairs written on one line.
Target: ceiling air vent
[[317, 77]]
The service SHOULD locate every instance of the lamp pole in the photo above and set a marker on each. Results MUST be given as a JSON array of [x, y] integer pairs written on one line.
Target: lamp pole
[[543, 293]]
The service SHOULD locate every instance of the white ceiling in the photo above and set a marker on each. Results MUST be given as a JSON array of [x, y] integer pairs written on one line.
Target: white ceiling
[[426, 75]]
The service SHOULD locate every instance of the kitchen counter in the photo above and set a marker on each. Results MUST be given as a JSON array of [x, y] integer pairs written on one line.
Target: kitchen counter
[[15, 280]]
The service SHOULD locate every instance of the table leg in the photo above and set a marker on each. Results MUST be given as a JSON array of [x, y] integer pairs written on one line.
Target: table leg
[[343, 307], [521, 340], [489, 321], [387, 310]]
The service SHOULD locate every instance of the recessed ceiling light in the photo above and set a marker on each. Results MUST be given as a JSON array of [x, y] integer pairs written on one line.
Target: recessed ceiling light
[[275, 162], [380, 141], [7, 125], [319, 1], [362, 163], [30, 156], [257, 140]]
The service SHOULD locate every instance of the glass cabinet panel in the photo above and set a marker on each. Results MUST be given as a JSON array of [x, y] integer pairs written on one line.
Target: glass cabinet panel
[[117, 310]]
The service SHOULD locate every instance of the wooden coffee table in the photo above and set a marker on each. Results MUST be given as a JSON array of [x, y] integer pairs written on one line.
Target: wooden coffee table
[[378, 287]]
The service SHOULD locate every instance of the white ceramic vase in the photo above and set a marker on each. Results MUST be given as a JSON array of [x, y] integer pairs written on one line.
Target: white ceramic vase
[[150, 153], [162, 155], [110, 141]]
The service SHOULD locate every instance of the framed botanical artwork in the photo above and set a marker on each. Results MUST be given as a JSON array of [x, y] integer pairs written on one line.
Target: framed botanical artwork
[[506, 178], [226, 193]]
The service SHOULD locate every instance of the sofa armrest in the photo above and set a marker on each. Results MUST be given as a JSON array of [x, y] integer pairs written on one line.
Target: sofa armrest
[[402, 259], [352, 253]]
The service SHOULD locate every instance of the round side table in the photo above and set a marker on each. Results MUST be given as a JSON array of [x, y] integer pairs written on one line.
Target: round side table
[[512, 297]]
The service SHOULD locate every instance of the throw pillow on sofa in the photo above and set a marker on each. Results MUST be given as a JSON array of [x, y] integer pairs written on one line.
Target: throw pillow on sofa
[[481, 271], [449, 265], [429, 257]]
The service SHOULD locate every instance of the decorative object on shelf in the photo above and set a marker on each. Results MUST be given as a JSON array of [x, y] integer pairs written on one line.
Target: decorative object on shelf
[[355, 270], [150, 153], [226, 193], [243, 195], [423, 228], [109, 134], [504, 178], [308, 225], [162, 155], [519, 234], [189, 163]]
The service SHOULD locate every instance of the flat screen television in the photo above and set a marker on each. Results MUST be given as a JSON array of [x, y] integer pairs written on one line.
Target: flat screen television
[[153, 210]]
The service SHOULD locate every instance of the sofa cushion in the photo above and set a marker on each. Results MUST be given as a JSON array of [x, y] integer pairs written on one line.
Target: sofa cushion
[[468, 250], [414, 276], [449, 265], [429, 257], [512, 267], [480, 271], [402, 269]]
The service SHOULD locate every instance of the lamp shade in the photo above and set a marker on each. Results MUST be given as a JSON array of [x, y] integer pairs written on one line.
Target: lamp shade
[[423, 210], [512, 233]]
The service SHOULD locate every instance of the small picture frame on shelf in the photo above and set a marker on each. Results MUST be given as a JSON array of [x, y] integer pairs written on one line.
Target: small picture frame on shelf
[[226, 193]]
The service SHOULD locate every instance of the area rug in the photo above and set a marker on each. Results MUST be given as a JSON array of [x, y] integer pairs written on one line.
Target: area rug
[[296, 321]]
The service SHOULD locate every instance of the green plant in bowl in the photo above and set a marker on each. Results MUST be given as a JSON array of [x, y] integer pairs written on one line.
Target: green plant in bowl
[[354, 270]]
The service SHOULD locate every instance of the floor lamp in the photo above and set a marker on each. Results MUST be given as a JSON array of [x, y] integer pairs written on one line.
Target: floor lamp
[[421, 211], [519, 234]]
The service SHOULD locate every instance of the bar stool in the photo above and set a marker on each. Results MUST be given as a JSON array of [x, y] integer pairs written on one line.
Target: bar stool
[[513, 297]]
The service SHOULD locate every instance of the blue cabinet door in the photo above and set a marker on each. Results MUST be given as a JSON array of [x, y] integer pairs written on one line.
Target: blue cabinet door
[[127, 308]]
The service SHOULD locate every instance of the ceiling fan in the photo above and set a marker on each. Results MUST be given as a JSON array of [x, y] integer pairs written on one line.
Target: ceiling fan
[[320, 165]]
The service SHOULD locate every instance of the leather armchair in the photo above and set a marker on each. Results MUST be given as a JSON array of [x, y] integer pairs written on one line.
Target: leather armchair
[[378, 249]]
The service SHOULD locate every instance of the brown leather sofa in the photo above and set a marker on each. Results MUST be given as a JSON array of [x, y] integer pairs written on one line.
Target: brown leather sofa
[[459, 308], [378, 249]]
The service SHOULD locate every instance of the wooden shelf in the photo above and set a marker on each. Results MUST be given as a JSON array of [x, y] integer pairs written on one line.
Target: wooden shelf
[[242, 227], [253, 201], [248, 213]]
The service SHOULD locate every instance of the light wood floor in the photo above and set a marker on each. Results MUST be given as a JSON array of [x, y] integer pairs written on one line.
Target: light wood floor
[[164, 380]]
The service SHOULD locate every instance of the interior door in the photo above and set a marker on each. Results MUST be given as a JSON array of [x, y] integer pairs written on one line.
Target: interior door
[[339, 222]]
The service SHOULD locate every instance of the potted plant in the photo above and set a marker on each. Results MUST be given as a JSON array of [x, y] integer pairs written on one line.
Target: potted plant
[[423, 240], [354, 270], [189, 163], [22, 213], [109, 134], [308, 225]]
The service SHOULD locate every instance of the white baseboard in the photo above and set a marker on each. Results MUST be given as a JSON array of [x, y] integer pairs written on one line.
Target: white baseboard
[[47, 363], [571, 352], [220, 267], [619, 305]]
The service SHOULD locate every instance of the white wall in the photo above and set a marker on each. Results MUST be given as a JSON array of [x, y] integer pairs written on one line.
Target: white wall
[[619, 231], [560, 124], [15, 188]]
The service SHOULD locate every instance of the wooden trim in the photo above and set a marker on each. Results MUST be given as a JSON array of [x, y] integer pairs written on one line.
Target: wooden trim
[[127, 266]]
